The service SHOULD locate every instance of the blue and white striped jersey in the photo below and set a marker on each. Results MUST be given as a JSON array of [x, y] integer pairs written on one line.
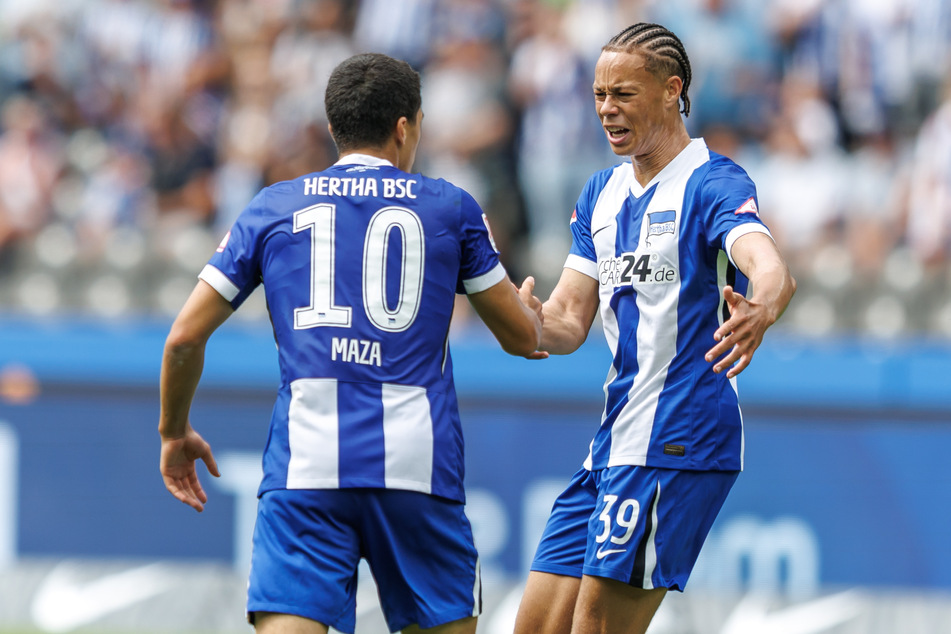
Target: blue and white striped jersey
[[661, 256], [360, 265]]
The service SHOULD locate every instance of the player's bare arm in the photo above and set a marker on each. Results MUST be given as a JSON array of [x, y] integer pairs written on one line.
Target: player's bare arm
[[569, 312], [513, 317], [182, 364], [756, 255]]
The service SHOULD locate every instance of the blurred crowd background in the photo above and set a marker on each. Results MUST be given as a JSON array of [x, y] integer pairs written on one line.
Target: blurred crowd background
[[132, 133]]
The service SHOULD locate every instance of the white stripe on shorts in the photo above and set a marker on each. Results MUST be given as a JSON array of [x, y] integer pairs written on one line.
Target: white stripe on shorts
[[477, 589], [650, 550]]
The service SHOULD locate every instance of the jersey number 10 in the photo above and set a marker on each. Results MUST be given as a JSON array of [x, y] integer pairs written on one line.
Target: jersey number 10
[[323, 310]]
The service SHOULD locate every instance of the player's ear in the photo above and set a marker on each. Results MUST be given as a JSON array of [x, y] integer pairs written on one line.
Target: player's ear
[[401, 131], [673, 87]]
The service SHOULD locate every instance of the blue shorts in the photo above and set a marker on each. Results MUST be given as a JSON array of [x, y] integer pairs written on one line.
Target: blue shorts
[[639, 525], [308, 543]]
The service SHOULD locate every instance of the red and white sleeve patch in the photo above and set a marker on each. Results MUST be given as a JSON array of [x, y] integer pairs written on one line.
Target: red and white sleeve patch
[[224, 242], [749, 207], [485, 220]]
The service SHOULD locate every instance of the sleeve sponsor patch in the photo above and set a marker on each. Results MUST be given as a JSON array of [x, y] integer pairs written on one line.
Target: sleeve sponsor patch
[[489, 229], [223, 243], [749, 207]]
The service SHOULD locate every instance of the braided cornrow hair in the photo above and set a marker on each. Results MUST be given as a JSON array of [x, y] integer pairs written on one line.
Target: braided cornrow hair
[[663, 50]]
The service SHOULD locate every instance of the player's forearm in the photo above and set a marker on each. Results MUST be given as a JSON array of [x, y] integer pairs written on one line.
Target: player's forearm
[[516, 326], [523, 336], [569, 313], [184, 355], [758, 258], [562, 331], [182, 365], [773, 287]]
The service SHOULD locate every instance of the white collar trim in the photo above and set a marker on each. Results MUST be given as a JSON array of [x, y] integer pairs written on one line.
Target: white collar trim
[[363, 159]]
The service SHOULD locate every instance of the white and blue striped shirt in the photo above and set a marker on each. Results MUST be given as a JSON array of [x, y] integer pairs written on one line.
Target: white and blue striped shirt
[[661, 256], [360, 265]]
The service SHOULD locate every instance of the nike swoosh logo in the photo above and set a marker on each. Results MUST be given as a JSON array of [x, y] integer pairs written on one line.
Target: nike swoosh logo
[[753, 616], [600, 230], [601, 554], [67, 600]]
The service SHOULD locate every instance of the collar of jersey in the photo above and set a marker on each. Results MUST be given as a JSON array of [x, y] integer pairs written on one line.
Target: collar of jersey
[[692, 150], [363, 159]]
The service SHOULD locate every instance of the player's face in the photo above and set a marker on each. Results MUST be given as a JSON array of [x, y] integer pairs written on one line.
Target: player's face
[[632, 103], [408, 151]]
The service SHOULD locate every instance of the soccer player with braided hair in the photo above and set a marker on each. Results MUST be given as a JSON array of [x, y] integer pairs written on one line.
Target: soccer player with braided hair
[[669, 246]]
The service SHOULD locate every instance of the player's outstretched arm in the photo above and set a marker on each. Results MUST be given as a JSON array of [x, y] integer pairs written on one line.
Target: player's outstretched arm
[[182, 364], [512, 315], [569, 313], [738, 338]]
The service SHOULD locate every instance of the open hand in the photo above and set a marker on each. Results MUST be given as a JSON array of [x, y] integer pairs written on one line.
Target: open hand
[[739, 336], [178, 467]]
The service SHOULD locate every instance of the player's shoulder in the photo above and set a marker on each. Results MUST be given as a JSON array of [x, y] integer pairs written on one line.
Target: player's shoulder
[[446, 193], [437, 184], [269, 199], [600, 179], [723, 167]]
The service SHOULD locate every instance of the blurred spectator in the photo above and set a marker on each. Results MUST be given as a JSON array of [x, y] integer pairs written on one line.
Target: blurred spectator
[[802, 178], [111, 33], [929, 25], [928, 212], [400, 29], [181, 162], [315, 38], [560, 141], [30, 162], [116, 194], [873, 203], [177, 54], [468, 129], [732, 59], [805, 34], [589, 24], [302, 58]]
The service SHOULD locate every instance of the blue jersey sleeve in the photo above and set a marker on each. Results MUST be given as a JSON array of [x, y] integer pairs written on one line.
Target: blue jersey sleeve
[[238, 258], [582, 242], [480, 268], [729, 198]]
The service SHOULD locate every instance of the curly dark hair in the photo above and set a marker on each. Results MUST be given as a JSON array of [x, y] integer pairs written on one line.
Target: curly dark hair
[[366, 95]]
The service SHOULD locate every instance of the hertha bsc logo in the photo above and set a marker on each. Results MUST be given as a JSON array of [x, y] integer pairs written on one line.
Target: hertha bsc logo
[[660, 223]]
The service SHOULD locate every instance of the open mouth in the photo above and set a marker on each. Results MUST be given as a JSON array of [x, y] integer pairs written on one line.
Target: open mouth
[[615, 133]]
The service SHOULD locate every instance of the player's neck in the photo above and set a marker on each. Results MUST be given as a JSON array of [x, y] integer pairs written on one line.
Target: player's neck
[[647, 166], [388, 153]]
